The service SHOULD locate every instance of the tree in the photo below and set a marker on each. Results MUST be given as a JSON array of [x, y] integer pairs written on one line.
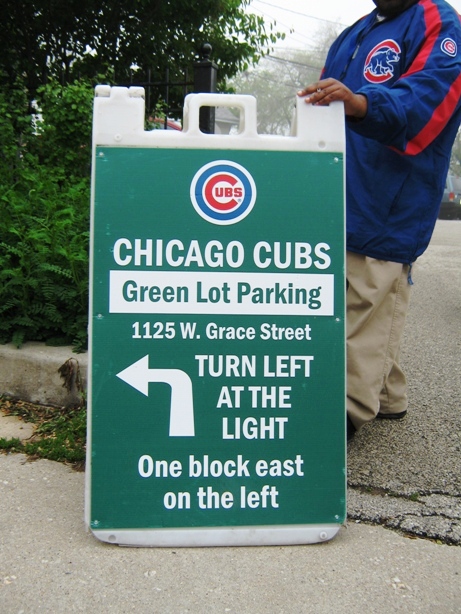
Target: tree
[[51, 39], [52, 55], [278, 76]]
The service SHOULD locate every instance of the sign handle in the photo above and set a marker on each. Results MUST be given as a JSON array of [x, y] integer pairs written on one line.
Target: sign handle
[[245, 104]]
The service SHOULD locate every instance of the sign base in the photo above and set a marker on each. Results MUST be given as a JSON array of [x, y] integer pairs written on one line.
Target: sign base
[[222, 536]]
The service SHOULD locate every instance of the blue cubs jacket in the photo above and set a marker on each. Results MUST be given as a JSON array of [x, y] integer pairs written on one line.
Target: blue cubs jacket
[[397, 157]]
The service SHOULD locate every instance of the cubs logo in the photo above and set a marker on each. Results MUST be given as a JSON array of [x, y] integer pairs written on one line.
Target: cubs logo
[[449, 47], [379, 65], [223, 192]]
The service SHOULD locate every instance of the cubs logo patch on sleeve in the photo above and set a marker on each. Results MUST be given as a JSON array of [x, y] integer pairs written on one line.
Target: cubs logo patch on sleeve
[[449, 47]]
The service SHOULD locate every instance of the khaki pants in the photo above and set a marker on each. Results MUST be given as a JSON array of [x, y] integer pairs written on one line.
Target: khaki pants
[[378, 295]]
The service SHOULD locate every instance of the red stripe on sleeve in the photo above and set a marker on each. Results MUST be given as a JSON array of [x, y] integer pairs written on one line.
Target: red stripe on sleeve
[[437, 122], [447, 107], [433, 28]]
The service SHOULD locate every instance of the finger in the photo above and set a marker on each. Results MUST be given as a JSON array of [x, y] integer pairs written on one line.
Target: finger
[[307, 90], [313, 93]]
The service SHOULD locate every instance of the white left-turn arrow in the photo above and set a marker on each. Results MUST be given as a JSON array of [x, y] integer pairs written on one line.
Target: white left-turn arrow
[[140, 376]]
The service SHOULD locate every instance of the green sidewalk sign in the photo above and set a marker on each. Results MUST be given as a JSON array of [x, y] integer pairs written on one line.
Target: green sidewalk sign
[[217, 354]]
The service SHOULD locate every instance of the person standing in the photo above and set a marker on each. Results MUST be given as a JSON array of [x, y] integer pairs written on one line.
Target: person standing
[[398, 73]]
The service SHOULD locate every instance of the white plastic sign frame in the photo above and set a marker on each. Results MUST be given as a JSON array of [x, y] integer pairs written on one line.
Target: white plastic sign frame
[[119, 125]]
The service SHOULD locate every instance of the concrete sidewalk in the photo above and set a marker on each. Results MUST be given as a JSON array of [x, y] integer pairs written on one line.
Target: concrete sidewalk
[[50, 564]]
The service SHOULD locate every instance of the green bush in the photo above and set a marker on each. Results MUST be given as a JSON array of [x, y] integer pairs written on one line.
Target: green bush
[[44, 214]]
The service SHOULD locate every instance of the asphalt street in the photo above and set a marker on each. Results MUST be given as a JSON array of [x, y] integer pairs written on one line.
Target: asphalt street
[[404, 484], [407, 474]]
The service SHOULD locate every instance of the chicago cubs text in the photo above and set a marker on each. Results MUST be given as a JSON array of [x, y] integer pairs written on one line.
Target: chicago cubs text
[[157, 253]]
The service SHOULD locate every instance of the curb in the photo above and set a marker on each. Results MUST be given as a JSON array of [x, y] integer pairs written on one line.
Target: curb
[[32, 373]]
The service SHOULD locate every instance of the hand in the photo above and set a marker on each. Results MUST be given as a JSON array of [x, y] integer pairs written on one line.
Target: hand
[[325, 91]]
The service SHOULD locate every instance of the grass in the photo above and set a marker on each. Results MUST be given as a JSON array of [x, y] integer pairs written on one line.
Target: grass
[[60, 433]]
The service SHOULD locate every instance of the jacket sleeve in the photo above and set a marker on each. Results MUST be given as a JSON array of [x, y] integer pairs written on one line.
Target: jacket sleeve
[[415, 109]]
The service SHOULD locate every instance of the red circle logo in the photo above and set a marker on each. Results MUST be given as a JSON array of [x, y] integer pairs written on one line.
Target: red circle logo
[[223, 192]]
